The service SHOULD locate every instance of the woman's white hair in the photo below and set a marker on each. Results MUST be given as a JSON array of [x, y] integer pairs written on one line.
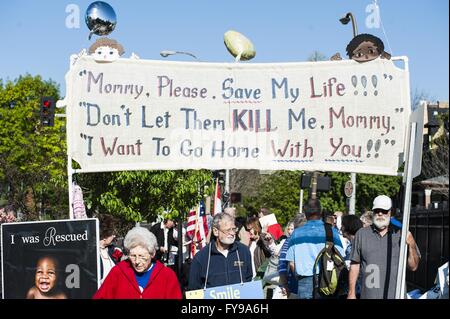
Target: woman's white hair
[[140, 236], [367, 218]]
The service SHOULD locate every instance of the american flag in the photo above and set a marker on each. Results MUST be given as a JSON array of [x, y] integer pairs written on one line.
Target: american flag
[[217, 199], [197, 228]]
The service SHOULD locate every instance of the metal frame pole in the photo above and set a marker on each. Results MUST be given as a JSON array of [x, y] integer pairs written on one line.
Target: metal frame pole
[[227, 186], [400, 291], [352, 205], [301, 200], [354, 26], [70, 172]]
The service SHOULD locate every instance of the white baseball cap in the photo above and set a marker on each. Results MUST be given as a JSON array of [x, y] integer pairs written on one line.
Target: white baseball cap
[[382, 202]]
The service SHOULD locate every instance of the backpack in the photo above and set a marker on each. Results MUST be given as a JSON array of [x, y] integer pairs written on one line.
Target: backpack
[[332, 269]]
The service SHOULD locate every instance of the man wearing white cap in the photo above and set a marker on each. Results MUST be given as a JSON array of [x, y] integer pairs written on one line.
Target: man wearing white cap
[[376, 253]]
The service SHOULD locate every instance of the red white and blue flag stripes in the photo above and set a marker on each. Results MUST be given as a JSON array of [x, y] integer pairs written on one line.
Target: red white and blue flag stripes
[[197, 228]]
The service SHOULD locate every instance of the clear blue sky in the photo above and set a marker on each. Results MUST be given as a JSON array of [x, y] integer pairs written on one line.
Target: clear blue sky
[[35, 39]]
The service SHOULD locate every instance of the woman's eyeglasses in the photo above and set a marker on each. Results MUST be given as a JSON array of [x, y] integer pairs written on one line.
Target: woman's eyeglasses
[[135, 258]]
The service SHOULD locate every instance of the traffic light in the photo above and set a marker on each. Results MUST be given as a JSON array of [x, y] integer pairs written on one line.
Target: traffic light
[[220, 175], [305, 181], [323, 182], [47, 111]]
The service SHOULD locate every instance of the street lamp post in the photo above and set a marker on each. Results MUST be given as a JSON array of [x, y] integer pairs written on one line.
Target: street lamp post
[[166, 53], [346, 20]]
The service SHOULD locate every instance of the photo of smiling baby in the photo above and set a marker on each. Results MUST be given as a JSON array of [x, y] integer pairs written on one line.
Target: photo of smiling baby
[[46, 280]]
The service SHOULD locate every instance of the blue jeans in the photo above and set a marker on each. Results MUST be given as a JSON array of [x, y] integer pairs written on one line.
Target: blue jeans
[[305, 287]]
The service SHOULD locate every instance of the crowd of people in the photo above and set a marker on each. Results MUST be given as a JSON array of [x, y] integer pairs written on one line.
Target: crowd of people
[[239, 250], [7, 214]]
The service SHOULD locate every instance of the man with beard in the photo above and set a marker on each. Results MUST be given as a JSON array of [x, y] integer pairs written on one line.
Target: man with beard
[[223, 261], [375, 253]]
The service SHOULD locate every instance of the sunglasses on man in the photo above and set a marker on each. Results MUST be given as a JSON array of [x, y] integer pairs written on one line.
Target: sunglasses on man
[[383, 211]]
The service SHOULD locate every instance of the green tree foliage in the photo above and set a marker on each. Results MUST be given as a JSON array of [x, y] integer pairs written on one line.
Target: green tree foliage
[[280, 192], [370, 186], [144, 195], [33, 168], [32, 162], [367, 188]]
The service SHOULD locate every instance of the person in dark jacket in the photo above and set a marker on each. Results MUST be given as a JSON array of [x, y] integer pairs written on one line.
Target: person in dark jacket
[[109, 253], [261, 245], [164, 236], [224, 261]]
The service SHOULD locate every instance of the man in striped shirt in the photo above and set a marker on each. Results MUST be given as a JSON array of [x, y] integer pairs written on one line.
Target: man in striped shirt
[[288, 280]]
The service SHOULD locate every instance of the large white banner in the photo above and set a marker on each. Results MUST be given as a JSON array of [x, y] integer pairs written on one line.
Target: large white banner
[[326, 116]]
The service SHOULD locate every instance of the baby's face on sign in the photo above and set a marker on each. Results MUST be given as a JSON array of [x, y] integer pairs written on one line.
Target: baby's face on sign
[[45, 279], [106, 54], [366, 51]]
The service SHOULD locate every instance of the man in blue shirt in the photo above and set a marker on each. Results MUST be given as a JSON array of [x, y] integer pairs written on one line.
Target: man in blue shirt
[[305, 244]]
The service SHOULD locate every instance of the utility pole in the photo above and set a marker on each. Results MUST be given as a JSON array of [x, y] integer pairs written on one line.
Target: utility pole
[[351, 209], [314, 185], [300, 210], [181, 217]]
